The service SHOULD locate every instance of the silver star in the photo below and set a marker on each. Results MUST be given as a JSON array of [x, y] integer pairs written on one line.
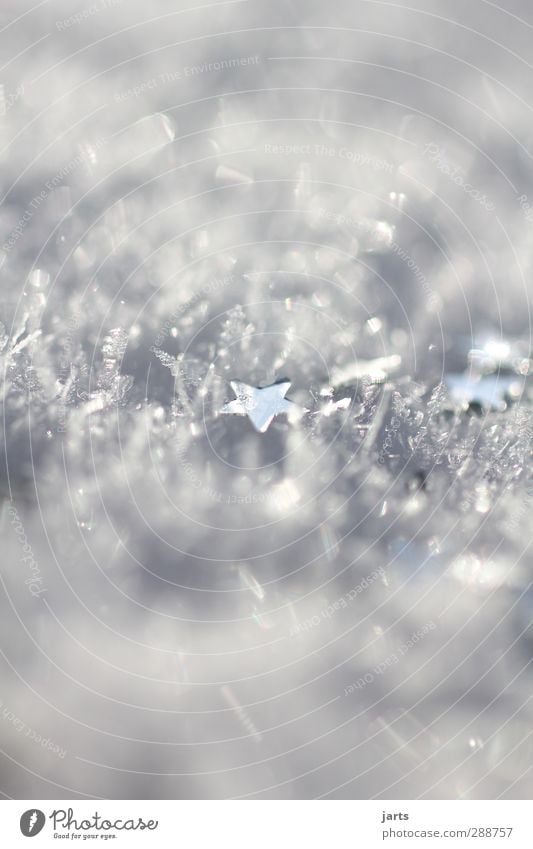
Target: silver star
[[261, 404]]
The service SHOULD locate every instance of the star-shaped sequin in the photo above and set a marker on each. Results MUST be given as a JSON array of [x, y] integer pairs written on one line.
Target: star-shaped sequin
[[262, 404]]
